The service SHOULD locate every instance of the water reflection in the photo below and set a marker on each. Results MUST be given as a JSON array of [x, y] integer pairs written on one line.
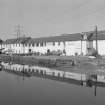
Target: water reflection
[[88, 80]]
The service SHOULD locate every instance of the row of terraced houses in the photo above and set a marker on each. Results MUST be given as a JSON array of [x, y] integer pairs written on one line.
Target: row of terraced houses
[[66, 44]]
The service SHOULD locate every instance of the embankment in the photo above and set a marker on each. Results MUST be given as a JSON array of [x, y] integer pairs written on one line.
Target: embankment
[[66, 63], [50, 61]]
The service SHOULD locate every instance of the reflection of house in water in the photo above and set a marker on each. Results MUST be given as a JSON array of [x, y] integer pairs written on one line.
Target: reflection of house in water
[[15, 69], [88, 80], [47, 73], [43, 72]]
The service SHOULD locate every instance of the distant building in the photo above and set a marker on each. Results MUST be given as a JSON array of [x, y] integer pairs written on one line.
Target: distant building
[[66, 44]]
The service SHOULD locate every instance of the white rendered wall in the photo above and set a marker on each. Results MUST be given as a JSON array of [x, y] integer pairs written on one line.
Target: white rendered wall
[[55, 47], [6, 46], [84, 47], [49, 45], [0, 46], [41, 49], [14, 47], [73, 47], [101, 46]]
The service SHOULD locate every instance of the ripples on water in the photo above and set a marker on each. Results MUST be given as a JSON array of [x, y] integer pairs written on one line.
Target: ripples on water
[[34, 85]]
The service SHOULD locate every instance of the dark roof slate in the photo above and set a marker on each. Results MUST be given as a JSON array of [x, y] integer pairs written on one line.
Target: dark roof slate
[[63, 37], [19, 40], [67, 37]]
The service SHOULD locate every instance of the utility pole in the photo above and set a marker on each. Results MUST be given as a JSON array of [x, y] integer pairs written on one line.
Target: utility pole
[[96, 40], [18, 31], [24, 44], [82, 36]]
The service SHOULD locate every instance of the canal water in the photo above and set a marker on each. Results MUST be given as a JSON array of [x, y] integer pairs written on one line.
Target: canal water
[[34, 85]]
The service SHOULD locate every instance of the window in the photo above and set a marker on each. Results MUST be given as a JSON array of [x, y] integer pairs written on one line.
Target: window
[[29, 50], [45, 43], [29, 44], [23, 45], [53, 43], [32, 44], [41, 44], [37, 44], [59, 43], [26, 45]]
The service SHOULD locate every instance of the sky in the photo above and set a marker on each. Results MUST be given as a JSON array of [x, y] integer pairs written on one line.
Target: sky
[[40, 18]]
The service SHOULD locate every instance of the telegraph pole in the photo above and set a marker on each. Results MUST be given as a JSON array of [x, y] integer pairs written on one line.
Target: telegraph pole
[[96, 40], [18, 31], [82, 36]]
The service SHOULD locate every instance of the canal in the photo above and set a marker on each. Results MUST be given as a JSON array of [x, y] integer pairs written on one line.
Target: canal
[[34, 85]]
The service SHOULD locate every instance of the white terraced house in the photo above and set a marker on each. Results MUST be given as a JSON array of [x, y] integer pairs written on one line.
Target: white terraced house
[[66, 44], [15, 46]]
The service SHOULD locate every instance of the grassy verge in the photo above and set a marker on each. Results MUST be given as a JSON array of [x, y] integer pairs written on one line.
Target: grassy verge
[[82, 63]]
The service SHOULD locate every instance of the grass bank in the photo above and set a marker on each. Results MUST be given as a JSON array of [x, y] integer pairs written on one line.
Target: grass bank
[[81, 63]]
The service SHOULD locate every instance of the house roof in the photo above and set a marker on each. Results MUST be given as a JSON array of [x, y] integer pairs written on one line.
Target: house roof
[[19, 40], [99, 36], [68, 37], [63, 37]]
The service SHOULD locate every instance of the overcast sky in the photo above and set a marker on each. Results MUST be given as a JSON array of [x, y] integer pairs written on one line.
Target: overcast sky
[[41, 18]]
